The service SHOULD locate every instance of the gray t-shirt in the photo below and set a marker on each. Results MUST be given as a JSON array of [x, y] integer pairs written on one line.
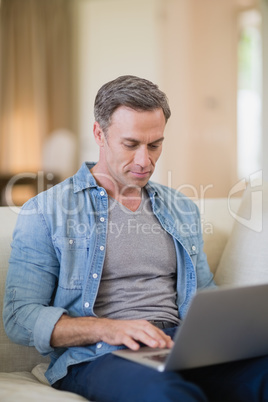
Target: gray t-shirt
[[139, 273]]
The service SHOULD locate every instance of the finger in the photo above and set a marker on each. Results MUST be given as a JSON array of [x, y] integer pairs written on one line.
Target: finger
[[129, 342], [153, 340], [163, 340]]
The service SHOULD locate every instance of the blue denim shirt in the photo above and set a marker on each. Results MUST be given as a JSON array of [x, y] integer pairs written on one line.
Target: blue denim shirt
[[57, 256]]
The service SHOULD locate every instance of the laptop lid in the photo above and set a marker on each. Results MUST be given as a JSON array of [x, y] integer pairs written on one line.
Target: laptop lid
[[222, 325]]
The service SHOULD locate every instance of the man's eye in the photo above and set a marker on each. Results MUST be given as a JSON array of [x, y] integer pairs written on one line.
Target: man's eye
[[154, 146], [130, 146]]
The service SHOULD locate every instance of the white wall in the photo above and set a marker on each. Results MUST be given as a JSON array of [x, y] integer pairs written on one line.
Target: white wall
[[116, 37], [187, 47], [200, 71]]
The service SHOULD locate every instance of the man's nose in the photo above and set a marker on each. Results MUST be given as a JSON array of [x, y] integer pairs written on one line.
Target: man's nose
[[142, 157]]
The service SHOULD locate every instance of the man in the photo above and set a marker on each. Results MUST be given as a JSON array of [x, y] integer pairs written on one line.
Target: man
[[107, 259]]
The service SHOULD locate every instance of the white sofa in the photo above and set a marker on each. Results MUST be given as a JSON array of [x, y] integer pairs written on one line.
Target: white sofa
[[22, 368]]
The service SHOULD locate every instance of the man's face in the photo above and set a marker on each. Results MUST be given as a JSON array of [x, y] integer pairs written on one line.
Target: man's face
[[131, 147]]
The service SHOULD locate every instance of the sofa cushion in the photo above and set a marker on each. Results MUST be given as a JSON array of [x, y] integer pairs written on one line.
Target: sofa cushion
[[24, 387], [217, 224], [245, 258], [39, 373]]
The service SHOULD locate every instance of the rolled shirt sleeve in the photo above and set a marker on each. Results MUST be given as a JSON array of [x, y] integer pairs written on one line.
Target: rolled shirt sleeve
[[29, 317]]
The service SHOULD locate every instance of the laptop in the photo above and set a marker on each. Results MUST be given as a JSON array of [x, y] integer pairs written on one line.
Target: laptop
[[221, 325]]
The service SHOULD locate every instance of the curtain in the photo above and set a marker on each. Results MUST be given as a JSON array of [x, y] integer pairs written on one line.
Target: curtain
[[35, 79]]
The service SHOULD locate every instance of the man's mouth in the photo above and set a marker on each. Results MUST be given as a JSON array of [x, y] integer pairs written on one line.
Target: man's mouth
[[141, 174]]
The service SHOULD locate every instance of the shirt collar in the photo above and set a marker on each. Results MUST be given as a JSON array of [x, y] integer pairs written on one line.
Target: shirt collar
[[83, 178], [151, 189]]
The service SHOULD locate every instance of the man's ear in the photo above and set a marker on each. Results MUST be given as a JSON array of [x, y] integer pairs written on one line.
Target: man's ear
[[98, 134]]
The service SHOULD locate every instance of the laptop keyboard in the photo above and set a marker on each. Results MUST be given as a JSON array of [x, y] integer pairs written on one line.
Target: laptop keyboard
[[160, 357]]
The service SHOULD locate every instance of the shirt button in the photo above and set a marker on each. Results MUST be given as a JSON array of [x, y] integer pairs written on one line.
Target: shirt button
[[95, 276], [99, 345], [102, 219], [102, 193], [86, 305], [71, 241], [193, 248], [101, 248]]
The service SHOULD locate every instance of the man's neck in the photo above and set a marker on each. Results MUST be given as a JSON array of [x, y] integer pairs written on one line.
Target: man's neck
[[131, 203], [130, 197]]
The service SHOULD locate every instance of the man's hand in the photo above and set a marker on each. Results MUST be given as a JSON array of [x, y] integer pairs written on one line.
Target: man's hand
[[88, 330], [131, 332]]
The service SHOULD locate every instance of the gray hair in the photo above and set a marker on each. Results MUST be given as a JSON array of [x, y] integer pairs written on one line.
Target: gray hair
[[130, 91]]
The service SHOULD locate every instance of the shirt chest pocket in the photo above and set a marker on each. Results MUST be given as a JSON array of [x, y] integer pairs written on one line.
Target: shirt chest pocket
[[73, 256]]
